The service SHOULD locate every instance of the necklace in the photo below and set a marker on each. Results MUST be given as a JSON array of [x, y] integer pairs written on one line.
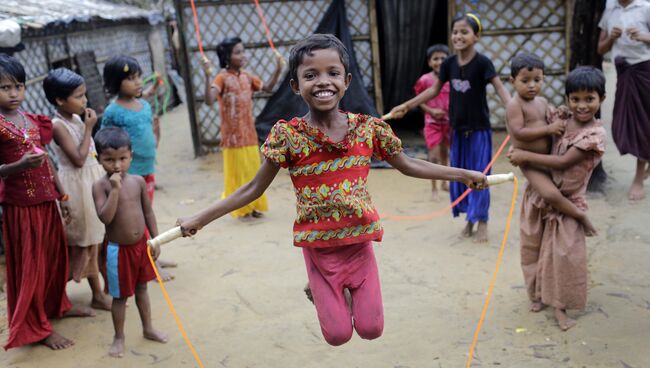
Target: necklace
[[22, 129]]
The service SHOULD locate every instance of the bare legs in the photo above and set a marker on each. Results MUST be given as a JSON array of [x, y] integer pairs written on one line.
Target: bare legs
[[118, 310], [439, 154], [637, 192]]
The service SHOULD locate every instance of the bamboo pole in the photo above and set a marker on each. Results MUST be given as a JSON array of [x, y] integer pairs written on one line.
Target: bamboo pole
[[376, 64], [187, 77]]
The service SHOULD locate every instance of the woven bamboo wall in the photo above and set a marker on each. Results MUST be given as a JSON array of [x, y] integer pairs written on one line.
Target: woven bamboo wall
[[510, 27], [288, 21], [41, 52]]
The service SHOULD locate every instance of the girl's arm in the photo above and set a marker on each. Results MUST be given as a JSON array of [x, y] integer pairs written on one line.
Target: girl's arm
[[427, 170], [211, 90], [436, 113], [571, 157], [63, 205], [106, 206], [241, 197], [268, 87], [517, 126], [501, 89], [636, 35], [28, 161], [76, 154], [606, 41], [431, 92]]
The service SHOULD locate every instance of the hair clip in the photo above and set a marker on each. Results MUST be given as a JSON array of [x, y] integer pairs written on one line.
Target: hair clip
[[478, 22], [126, 68]]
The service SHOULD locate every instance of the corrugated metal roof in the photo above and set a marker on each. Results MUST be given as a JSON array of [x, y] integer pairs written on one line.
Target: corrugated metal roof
[[41, 13]]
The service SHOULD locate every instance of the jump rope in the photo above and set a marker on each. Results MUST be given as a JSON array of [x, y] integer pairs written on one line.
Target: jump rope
[[176, 232]]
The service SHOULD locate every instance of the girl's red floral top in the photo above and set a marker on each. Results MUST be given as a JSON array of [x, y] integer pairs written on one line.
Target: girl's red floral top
[[32, 186], [329, 178]]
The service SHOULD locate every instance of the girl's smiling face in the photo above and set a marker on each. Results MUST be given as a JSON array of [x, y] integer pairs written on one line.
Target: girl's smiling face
[[584, 105], [462, 35], [322, 80]]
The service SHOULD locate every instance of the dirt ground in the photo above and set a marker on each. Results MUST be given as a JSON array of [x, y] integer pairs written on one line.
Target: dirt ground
[[238, 287]]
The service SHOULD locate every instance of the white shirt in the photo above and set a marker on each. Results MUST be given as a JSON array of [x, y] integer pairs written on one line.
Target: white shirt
[[636, 14]]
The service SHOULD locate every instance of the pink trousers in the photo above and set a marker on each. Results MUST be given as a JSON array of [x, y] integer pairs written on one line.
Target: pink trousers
[[330, 270]]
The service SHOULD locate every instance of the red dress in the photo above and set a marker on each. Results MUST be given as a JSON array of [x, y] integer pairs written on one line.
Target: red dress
[[35, 243]]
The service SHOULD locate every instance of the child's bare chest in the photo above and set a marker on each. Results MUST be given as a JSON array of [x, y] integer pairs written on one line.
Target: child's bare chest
[[534, 114]]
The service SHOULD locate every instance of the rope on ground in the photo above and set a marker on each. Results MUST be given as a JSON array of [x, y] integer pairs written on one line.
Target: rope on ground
[[442, 211], [494, 275], [171, 308]]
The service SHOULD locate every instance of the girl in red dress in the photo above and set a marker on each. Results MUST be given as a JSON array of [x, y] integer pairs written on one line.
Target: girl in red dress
[[35, 243]]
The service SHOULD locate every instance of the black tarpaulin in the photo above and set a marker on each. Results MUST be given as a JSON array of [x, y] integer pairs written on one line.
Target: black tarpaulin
[[284, 104]]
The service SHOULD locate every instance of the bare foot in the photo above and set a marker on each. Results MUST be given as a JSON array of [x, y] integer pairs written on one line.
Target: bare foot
[[77, 311], [563, 320], [257, 214], [165, 275], [155, 335], [636, 192], [536, 306], [246, 218], [307, 291], [481, 235], [589, 228], [117, 348], [435, 196], [468, 230], [57, 342], [101, 301], [167, 264]]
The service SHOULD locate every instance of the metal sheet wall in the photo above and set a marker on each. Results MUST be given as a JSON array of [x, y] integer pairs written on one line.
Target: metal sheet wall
[[510, 27], [288, 21]]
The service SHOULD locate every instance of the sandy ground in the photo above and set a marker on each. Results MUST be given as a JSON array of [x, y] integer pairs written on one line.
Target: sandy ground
[[239, 285]]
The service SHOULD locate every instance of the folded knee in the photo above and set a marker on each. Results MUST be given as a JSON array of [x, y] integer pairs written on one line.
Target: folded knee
[[370, 332], [338, 338]]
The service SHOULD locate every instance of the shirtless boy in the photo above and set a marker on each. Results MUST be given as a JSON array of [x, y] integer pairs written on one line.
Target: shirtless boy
[[123, 206]]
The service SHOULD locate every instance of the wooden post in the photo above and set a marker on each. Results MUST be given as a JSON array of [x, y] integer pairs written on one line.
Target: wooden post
[[376, 64], [187, 77], [584, 45]]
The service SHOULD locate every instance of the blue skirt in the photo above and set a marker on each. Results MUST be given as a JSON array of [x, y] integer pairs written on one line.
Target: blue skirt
[[473, 151]]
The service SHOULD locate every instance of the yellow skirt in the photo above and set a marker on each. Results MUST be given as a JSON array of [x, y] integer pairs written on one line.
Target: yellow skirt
[[239, 167]]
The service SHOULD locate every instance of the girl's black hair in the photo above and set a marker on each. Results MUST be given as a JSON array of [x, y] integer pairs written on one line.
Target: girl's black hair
[[525, 61], [117, 69], [437, 48], [12, 69], [60, 83], [470, 20], [317, 41], [224, 50], [111, 137], [585, 78]]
